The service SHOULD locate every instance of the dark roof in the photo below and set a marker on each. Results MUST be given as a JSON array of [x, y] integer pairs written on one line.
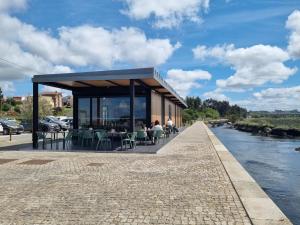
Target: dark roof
[[108, 78]]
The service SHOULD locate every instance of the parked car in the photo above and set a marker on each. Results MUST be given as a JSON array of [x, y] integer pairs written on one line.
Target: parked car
[[48, 126], [61, 117], [11, 126], [68, 121], [61, 124], [27, 125], [1, 129]]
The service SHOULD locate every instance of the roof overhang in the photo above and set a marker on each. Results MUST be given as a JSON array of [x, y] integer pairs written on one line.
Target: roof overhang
[[144, 76]]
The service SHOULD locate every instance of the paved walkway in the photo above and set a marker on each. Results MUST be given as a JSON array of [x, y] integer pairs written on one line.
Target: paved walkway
[[185, 183]]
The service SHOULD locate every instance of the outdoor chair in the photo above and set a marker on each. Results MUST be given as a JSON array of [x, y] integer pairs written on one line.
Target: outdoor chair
[[167, 132], [69, 139], [87, 136], [158, 134], [142, 136], [131, 140], [43, 136], [103, 140]]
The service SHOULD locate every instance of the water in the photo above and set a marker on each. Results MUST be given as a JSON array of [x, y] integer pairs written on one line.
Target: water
[[272, 162]]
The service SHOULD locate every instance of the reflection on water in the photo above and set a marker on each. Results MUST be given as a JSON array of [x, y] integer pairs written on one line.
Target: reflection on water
[[273, 163]]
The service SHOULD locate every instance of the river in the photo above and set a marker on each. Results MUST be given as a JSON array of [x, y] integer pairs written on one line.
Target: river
[[272, 162]]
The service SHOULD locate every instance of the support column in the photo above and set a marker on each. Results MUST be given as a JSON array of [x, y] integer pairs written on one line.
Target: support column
[[75, 111], [163, 113], [148, 108], [175, 121], [35, 115], [132, 99]]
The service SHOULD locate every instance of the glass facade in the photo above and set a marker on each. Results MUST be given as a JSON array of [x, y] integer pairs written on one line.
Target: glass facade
[[84, 112], [110, 112]]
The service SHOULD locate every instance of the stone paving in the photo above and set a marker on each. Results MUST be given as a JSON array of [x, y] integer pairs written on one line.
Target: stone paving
[[184, 183]]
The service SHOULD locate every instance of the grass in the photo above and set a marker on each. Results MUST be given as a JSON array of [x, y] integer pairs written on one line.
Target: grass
[[281, 122]]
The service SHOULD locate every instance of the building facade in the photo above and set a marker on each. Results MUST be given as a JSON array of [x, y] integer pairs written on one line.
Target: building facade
[[54, 97]]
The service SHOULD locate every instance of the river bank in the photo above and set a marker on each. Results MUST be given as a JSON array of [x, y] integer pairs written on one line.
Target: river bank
[[272, 162], [267, 130], [277, 126]]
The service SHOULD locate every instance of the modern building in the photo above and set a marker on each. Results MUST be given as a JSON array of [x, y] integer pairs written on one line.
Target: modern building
[[121, 99], [54, 97]]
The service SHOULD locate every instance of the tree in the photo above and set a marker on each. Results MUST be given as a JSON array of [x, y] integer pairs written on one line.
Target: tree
[[45, 108], [11, 101], [6, 107], [193, 102], [209, 113]]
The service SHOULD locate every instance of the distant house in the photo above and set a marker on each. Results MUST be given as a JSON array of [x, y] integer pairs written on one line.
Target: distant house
[[55, 98], [68, 101], [19, 99]]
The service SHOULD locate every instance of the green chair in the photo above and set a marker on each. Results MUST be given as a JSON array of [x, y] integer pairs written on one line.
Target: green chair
[[87, 136], [103, 140], [69, 139], [43, 136], [142, 136], [131, 140], [157, 135]]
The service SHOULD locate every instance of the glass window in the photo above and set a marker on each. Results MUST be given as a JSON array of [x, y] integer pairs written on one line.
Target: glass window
[[114, 112], [140, 112], [111, 112], [83, 112]]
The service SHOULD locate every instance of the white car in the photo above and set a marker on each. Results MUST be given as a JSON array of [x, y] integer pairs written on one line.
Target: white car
[[1, 129], [61, 117]]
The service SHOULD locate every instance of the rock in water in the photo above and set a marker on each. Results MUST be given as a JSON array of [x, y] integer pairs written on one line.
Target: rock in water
[[297, 149]]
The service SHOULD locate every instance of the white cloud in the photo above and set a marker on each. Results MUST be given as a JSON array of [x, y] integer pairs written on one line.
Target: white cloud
[[183, 81], [7, 86], [35, 51], [167, 13], [216, 94], [215, 53], [293, 23], [273, 99], [98, 46], [253, 66], [6, 5]]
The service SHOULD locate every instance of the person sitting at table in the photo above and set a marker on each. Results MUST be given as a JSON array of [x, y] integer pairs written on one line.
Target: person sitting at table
[[156, 126], [170, 124]]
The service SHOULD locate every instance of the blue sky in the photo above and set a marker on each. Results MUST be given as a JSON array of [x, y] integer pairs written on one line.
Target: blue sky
[[193, 43]]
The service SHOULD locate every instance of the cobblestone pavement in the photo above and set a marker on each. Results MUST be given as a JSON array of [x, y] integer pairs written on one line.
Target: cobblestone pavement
[[184, 183]]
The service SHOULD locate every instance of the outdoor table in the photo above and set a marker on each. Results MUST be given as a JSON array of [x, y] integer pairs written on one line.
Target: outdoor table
[[114, 135], [55, 138]]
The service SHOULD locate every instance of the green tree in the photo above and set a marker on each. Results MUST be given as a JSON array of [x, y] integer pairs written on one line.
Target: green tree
[[17, 109], [209, 113], [6, 107], [11, 101], [193, 102], [45, 108]]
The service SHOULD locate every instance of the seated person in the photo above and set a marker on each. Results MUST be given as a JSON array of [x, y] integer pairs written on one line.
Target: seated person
[[156, 126], [170, 123]]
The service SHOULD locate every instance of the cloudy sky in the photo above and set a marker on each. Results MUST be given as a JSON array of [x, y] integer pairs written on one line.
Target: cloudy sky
[[243, 51]]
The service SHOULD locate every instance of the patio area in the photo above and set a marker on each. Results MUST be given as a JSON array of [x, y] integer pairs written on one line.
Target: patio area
[[62, 144]]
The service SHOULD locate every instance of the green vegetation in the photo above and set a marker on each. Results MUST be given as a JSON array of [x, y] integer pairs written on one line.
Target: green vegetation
[[211, 109], [292, 122], [45, 109]]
